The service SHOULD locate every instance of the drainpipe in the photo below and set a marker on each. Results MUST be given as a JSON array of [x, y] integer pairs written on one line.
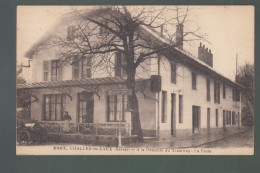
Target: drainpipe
[[158, 98]]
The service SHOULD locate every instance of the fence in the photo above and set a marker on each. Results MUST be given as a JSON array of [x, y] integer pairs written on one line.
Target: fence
[[110, 129]]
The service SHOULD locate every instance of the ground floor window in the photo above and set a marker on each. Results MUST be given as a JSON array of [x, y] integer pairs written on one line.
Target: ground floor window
[[233, 118], [224, 118], [228, 117], [54, 106], [208, 117], [216, 117], [116, 105]]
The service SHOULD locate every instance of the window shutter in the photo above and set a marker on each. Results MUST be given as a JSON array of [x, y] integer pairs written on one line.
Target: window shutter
[[59, 69], [118, 63], [45, 70], [89, 65]]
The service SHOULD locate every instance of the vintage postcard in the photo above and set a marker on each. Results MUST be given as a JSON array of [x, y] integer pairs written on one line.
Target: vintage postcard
[[135, 80]]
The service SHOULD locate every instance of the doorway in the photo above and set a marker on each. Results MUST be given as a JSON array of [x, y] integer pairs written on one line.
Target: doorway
[[195, 119], [173, 114], [224, 118], [85, 107]]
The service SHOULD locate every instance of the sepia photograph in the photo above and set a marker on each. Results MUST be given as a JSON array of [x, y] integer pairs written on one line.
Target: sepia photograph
[[135, 80]]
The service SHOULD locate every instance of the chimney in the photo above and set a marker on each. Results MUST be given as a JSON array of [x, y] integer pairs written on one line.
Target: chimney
[[179, 36], [205, 55], [161, 34]]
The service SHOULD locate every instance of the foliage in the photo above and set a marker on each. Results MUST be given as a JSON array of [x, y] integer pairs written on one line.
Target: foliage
[[245, 77]]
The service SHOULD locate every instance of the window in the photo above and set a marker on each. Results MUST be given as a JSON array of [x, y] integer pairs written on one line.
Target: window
[[208, 90], [194, 82], [116, 105], [228, 117], [120, 64], [224, 90], [75, 70], [45, 70], [54, 106], [233, 118], [86, 65], [216, 92], [235, 94], [164, 107], [180, 109], [118, 60], [216, 117], [55, 70], [238, 118], [224, 118], [71, 33], [86, 69], [208, 117], [173, 73]]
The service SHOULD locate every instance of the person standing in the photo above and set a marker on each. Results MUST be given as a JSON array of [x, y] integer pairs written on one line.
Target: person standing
[[67, 119]]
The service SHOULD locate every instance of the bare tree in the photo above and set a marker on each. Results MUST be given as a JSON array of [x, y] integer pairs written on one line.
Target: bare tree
[[245, 77], [138, 33], [19, 79]]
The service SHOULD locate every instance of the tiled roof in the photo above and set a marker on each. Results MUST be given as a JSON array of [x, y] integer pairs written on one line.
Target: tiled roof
[[193, 60], [71, 83]]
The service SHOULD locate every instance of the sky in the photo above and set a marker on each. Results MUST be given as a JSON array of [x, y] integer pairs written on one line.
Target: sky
[[229, 30]]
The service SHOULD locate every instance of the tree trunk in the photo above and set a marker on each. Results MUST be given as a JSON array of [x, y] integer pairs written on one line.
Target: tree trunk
[[133, 103]]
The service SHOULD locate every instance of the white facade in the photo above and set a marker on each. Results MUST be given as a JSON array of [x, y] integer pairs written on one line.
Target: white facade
[[150, 107]]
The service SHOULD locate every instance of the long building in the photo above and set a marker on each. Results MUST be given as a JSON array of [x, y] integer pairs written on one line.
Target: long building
[[179, 94]]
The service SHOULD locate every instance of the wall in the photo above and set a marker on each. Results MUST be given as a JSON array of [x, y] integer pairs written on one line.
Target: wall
[[191, 97], [146, 106]]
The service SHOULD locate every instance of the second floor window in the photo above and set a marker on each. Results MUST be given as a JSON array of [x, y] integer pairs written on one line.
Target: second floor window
[[194, 81], [71, 33], [216, 92], [173, 73], [45, 70], [55, 70], [120, 64], [224, 90], [86, 67], [208, 90], [235, 94], [75, 70], [81, 68]]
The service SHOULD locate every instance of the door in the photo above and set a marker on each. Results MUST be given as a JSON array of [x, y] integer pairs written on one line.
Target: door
[[173, 114], [85, 107], [195, 119], [224, 118]]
